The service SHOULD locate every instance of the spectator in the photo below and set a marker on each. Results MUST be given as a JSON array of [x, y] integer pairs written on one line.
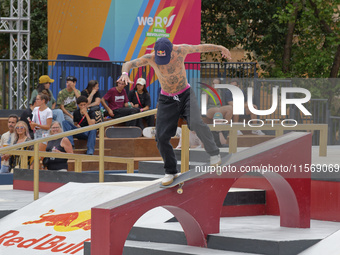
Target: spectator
[[93, 95], [83, 118], [6, 140], [27, 115], [218, 111], [21, 135], [62, 145], [44, 84], [118, 103], [229, 100], [140, 99], [67, 98], [42, 119]]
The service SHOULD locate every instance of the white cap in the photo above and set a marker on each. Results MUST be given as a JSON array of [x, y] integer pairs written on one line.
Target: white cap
[[141, 81]]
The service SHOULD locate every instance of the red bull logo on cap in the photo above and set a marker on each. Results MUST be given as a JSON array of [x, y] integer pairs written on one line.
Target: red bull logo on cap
[[161, 53], [65, 222]]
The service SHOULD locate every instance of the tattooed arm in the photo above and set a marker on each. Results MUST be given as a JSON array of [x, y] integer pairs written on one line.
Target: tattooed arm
[[206, 48], [142, 61]]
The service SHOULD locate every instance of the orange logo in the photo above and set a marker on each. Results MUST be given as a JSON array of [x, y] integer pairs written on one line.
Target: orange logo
[[65, 222]]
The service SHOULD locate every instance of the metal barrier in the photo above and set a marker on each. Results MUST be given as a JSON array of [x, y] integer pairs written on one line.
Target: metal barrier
[[101, 158], [106, 72]]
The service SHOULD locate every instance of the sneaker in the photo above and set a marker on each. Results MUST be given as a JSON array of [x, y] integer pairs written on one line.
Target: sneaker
[[169, 178], [215, 160], [239, 132], [257, 132]]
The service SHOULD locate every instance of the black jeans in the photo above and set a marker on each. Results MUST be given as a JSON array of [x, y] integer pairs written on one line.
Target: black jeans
[[125, 111], [169, 111]]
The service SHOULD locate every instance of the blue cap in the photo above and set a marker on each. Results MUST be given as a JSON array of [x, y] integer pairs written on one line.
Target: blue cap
[[163, 49]]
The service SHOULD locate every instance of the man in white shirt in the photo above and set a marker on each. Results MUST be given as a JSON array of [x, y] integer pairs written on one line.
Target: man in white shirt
[[6, 140]]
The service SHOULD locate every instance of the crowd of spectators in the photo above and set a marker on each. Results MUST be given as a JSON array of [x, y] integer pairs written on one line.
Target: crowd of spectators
[[72, 109]]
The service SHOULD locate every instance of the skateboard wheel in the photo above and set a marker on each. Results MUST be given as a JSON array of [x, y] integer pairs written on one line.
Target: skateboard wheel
[[180, 191], [219, 172]]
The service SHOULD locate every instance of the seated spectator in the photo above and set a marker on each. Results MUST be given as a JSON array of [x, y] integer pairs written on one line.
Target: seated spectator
[[229, 100], [42, 119], [27, 116], [21, 135], [7, 139], [140, 99], [225, 109], [44, 84], [118, 103], [67, 98], [62, 145], [83, 117], [214, 111], [93, 95]]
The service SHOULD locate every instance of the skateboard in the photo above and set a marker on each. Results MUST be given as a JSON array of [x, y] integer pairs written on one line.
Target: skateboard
[[123, 132], [191, 174], [150, 132]]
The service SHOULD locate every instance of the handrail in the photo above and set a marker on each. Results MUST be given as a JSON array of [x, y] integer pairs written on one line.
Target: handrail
[[278, 132], [233, 137], [101, 158], [82, 130]]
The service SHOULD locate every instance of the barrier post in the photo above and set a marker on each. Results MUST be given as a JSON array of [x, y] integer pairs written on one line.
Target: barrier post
[[36, 171], [101, 154]]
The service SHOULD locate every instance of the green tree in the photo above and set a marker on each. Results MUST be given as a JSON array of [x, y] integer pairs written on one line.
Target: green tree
[[38, 29], [291, 38]]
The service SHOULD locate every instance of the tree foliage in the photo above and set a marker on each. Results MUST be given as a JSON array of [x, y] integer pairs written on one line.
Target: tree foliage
[[261, 26], [38, 29], [291, 38]]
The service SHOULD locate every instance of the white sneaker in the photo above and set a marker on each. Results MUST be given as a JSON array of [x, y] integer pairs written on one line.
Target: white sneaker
[[257, 132], [169, 178], [239, 132], [215, 160]]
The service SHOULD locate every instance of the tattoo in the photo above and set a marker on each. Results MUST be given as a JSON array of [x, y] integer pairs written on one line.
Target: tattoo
[[138, 62], [173, 79], [171, 69]]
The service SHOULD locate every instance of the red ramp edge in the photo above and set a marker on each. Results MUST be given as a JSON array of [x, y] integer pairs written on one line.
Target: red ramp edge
[[198, 209]]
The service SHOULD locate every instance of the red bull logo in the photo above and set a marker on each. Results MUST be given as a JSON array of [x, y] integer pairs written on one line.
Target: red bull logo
[[161, 53], [65, 222], [45, 243]]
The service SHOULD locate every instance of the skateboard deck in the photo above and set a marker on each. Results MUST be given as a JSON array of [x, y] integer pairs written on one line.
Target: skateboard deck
[[150, 132], [191, 174], [123, 132]]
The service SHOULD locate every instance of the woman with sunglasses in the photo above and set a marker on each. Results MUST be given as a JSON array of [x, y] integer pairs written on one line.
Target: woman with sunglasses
[[62, 145], [21, 135]]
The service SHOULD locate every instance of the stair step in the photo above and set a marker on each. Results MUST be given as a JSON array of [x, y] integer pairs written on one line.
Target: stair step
[[249, 140], [151, 248], [107, 152], [93, 165]]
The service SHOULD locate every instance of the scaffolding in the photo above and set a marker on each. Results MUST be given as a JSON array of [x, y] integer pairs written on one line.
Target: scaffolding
[[18, 26]]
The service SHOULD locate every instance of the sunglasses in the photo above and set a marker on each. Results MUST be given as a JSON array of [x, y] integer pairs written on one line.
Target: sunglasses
[[71, 78], [20, 128]]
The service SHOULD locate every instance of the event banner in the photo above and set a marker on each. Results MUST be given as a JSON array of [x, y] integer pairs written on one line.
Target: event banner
[[118, 30]]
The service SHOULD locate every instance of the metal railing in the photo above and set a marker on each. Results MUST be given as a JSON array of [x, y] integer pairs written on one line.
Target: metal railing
[[107, 72], [77, 157]]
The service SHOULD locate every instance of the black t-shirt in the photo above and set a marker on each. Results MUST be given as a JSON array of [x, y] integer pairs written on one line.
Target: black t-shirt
[[27, 113], [144, 98], [85, 93], [77, 117]]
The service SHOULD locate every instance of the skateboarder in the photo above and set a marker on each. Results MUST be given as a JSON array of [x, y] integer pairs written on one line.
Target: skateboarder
[[176, 99]]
